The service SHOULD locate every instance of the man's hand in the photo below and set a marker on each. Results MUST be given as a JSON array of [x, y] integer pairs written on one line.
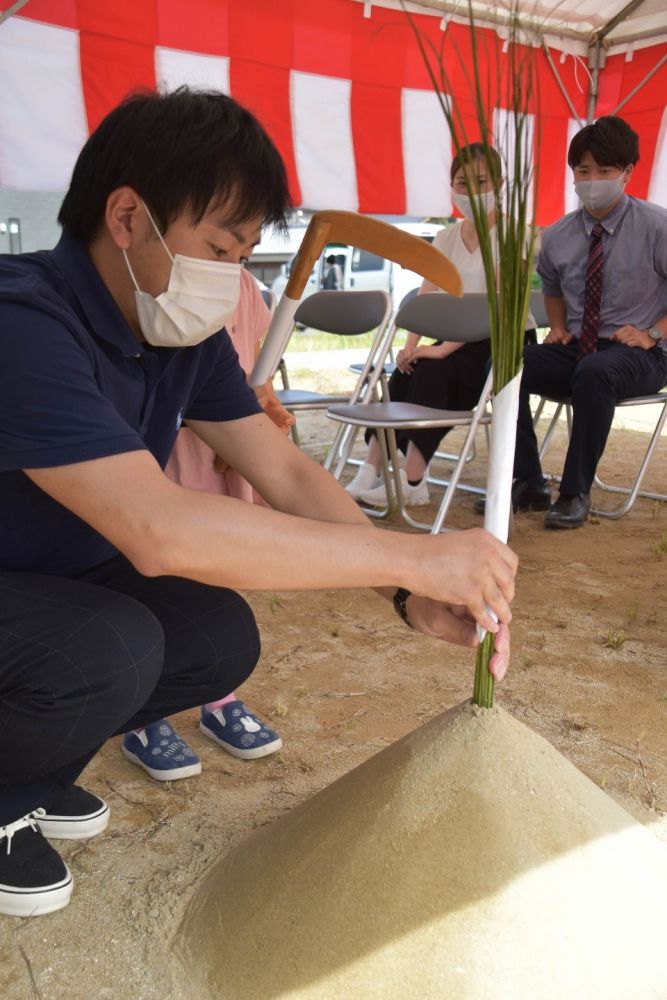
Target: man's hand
[[632, 337], [471, 568], [454, 623], [558, 335]]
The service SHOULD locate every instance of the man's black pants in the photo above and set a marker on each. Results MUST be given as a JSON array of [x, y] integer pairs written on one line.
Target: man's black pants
[[595, 384], [83, 659]]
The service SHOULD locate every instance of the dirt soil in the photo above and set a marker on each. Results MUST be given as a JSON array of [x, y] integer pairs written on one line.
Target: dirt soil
[[341, 677]]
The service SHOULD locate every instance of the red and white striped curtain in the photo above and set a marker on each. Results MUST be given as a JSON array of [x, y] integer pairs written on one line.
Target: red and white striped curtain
[[346, 98]]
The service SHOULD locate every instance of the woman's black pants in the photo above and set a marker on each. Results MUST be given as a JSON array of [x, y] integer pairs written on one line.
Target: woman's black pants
[[83, 659], [451, 383]]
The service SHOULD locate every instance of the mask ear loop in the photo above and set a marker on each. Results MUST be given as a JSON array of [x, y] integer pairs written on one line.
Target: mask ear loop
[[129, 267], [159, 236], [157, 231]]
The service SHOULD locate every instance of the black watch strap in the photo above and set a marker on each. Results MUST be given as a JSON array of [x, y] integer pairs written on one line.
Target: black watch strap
[[400, 605]]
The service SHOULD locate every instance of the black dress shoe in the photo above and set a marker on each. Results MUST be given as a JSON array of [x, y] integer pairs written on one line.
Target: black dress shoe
[[568, 511], [526, 495]]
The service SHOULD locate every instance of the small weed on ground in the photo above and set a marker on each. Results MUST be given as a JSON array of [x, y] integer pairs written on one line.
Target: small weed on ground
[[659, 550], [613, 639]]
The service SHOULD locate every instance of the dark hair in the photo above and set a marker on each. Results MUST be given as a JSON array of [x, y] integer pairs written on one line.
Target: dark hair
[[476, 151], [610, 141], [183, 150], [331, 259]]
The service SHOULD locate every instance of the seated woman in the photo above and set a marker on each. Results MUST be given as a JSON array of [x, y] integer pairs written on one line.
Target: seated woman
[[443, 375], [158, 748]]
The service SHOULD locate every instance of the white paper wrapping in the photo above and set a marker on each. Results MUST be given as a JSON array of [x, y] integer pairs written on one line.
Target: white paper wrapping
[[501, 463], [501, 459], [275, 342]]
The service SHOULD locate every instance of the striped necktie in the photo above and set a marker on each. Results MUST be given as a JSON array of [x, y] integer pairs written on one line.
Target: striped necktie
[[588, 339]]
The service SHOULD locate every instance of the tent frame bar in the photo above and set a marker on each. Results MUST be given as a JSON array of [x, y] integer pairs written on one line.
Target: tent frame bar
[[641, 83], [561, 85], [14, 9]]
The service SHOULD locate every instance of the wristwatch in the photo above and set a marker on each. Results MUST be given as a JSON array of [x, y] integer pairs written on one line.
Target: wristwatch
[[655, 333], [400, 605]]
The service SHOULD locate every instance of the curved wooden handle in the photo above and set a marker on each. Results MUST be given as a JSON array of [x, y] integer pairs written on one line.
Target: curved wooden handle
[[377, 237]]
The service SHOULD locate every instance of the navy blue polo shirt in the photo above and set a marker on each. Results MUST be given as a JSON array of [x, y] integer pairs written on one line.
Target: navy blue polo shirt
[[76, 384]]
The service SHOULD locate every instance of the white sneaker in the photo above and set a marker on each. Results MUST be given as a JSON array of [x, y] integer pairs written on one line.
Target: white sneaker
[[414, 496], [365, 479]]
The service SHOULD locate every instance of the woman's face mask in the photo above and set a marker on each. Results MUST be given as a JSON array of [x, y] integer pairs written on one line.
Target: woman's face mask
[[200, 299], [486, 200]]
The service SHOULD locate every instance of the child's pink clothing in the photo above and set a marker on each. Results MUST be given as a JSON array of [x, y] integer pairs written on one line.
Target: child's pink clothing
[[191, 463]]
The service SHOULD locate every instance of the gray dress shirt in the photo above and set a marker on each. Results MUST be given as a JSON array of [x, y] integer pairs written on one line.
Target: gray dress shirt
[[634, 278]]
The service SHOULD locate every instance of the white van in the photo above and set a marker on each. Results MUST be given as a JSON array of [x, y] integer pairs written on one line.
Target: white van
[[362, 269]]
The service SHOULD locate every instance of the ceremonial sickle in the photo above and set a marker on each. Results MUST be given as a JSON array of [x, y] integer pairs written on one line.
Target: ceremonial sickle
[[356, 230]]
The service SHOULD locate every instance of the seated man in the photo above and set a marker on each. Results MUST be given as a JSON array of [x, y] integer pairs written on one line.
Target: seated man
[[604, 277], [118, 586]]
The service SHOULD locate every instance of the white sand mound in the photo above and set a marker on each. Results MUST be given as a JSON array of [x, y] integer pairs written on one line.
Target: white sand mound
[[469, 861]]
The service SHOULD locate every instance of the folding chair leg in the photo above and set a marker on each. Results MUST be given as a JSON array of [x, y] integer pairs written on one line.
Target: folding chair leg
[[449, 456], [634, 491], [341, 448], [294, 434], [388, 455], [282, 368], [551, 429]]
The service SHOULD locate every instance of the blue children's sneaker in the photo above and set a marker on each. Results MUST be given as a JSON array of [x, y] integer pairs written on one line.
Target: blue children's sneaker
[[161, 751], [240, 732]]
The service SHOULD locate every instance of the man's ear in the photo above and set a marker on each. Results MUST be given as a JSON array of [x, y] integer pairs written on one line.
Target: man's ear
[[124, 216]]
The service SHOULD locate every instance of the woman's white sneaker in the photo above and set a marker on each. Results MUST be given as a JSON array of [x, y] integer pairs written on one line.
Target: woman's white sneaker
[[365, 479], [414, 496], [34, 879]]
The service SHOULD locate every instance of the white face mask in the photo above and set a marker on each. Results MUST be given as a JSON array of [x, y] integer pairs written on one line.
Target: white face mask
[[599, 194], [200, 298], [485, 199]]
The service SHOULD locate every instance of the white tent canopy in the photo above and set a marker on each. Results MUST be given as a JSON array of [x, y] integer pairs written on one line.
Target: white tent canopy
[[570, 25]]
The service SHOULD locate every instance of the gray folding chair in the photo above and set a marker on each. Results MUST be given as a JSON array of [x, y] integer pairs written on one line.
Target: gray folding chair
[[339, 455], [343, 313], [440, 317], [631, 493]]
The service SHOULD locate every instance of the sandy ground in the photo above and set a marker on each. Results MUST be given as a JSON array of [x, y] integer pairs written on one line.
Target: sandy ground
[[341, 678]]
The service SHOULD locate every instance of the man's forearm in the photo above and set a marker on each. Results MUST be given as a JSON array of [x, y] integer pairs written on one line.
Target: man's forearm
[[556, 311], [228, 542], [165, 529]]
